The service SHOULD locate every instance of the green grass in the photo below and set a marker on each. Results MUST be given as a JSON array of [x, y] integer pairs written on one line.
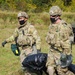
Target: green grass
[[9, 63]]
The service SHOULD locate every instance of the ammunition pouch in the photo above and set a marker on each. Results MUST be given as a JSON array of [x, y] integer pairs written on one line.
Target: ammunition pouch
[[25, 40]]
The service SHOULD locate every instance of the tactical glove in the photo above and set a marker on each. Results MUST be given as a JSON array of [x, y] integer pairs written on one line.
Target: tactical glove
[[63, 57], [38, 50], [3, 43]]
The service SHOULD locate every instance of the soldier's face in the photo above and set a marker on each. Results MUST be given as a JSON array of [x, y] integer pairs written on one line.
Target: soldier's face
[[22, 20], [54, 18]]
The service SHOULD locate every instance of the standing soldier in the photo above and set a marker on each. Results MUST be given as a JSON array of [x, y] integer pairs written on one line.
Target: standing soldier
[[27, 38], [58, 38]]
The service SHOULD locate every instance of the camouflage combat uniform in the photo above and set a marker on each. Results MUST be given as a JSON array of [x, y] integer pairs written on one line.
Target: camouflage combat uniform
[[58, 40], [26, 36]]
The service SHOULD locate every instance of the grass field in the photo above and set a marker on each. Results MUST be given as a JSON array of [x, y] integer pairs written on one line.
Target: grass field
[[9, 63]]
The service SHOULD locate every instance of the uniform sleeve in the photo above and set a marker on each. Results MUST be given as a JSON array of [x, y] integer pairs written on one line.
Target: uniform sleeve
[[65, 41], [38, 40], [48, 37], [71, 34], [12, 38], [35, 35]]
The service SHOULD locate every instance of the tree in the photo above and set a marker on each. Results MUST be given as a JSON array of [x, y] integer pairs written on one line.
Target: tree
[[10, 4], [67, 2]]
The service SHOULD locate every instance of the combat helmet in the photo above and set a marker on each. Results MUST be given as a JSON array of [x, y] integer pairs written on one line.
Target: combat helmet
[[22, 14], [65, 60], [15, 49], [55, 10]]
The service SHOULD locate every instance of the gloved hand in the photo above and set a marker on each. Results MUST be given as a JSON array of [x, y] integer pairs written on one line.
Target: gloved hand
[[63, 57], [38, 50], [3, 43]]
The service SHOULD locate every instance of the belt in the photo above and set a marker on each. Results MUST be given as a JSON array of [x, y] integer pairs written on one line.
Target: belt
[[56, 49], [25, 46]]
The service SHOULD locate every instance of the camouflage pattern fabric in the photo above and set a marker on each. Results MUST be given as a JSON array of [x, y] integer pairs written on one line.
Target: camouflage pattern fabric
[[55, 10], [26, 35], [64, 71], [58, 40], [22, 14], [58, 37]]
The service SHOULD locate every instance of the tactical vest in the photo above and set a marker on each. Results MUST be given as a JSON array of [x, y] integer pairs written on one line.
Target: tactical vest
[[57, 33], [25, 38]]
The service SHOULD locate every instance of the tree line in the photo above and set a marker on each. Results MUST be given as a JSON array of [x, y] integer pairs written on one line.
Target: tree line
[[36, 5]]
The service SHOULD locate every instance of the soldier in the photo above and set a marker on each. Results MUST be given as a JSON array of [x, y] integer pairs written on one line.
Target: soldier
[[58, 38], [27, 37]]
